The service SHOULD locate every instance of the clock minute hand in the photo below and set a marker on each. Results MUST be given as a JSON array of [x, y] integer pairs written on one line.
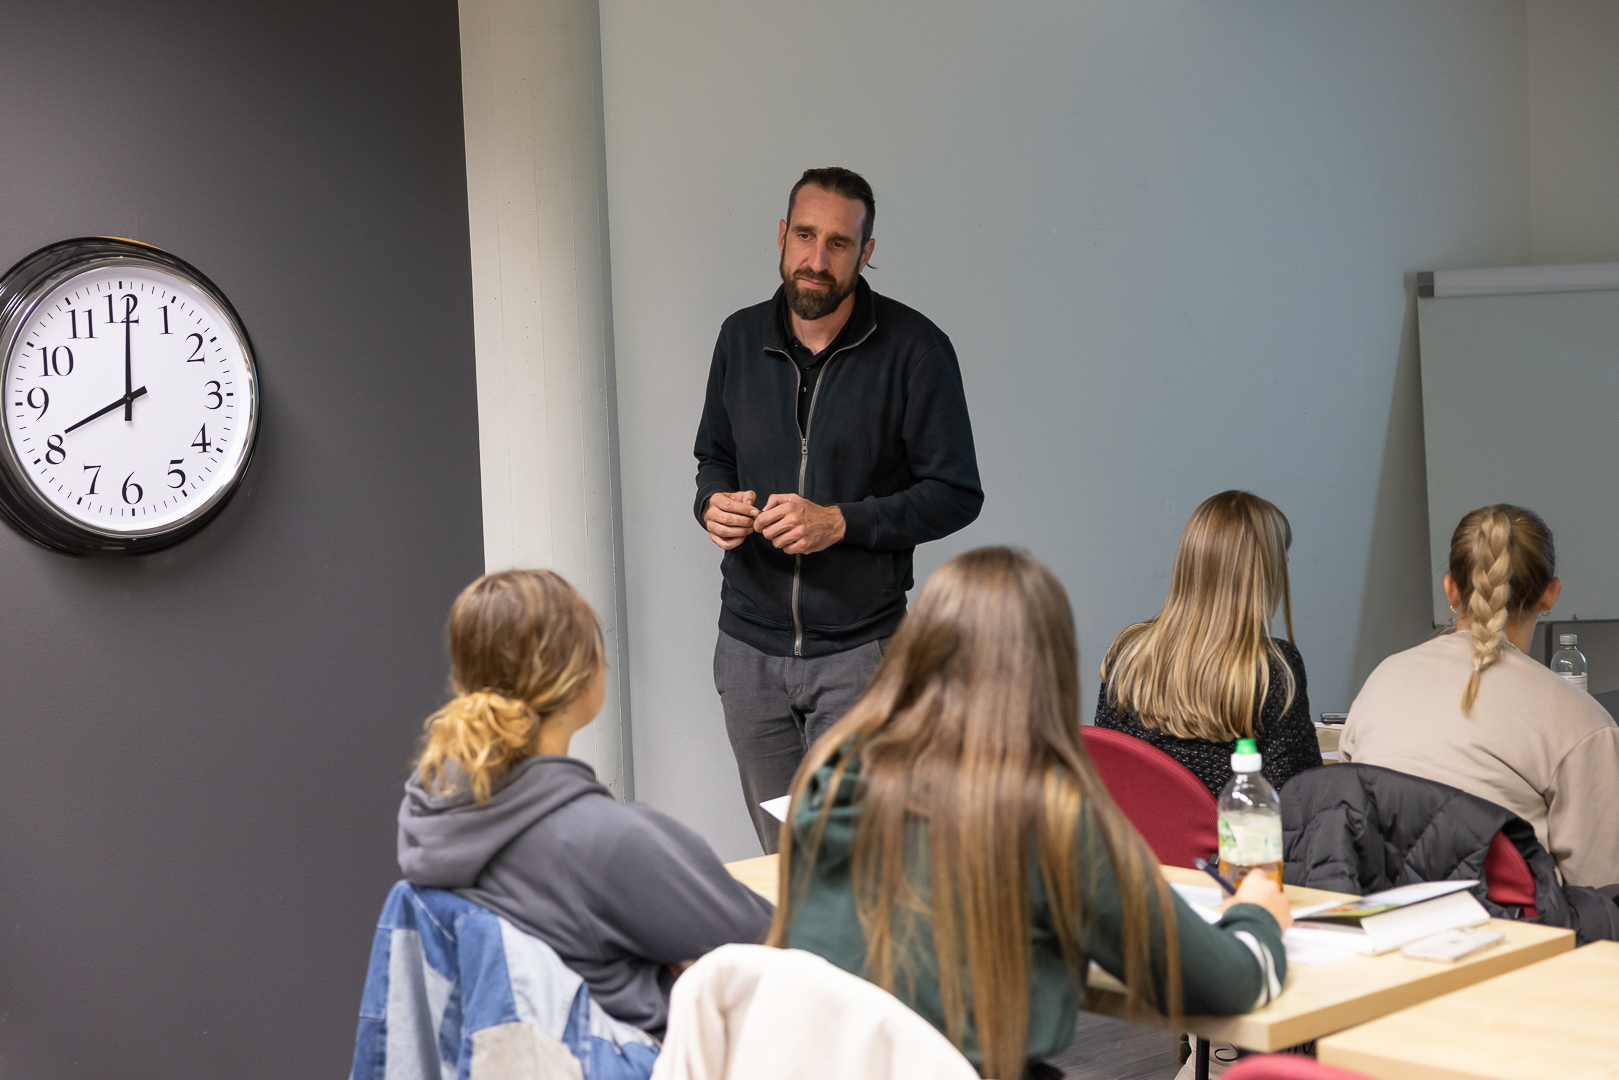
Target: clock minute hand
[[126, 401], [129, 397]]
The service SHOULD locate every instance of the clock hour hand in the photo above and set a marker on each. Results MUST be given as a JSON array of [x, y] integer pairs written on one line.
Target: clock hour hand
[[126, 401]]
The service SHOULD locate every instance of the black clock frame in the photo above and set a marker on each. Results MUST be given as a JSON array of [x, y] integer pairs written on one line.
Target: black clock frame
[[22, 506]]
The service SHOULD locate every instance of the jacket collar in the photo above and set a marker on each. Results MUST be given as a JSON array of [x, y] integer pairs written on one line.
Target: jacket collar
[[862, 321]]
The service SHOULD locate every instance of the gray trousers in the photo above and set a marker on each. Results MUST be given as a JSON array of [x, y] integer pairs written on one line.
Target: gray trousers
[[776, 706]]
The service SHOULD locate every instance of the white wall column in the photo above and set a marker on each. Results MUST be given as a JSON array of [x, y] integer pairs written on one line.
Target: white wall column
[[536, 193]]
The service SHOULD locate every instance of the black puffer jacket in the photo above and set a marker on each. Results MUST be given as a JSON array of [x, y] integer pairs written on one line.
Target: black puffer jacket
[[1359, 828]]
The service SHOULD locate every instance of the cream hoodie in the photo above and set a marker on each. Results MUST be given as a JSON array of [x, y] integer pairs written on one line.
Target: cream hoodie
[[1534, 744]]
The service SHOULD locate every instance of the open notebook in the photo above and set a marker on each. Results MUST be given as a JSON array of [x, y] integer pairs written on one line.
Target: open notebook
[[1381, 922], [1368, 925]]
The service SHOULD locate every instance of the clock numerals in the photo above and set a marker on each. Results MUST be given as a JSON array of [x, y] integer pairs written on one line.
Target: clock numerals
[[131, 302], [50, 361], [86, 397]]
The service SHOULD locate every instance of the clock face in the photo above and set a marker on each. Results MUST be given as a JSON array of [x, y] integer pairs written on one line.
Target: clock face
[[129, 400]]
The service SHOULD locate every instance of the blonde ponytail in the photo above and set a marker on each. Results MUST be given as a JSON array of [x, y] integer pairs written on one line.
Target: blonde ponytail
[[1501, 561], [523, 645], [482, 734]]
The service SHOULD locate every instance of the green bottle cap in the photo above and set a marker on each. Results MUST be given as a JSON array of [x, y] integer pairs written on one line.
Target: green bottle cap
[[1246, 746]]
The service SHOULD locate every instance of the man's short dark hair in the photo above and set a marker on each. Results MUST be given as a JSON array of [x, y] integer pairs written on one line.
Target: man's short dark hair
[[839, 181]]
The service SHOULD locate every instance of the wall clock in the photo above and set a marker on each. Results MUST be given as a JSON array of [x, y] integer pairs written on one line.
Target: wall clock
[[131, 397]]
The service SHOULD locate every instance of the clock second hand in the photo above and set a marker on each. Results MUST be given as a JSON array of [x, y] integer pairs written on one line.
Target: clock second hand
[[127, 401]]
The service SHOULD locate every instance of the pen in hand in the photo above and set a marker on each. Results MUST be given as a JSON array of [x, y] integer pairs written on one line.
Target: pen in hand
[[1208, 868]]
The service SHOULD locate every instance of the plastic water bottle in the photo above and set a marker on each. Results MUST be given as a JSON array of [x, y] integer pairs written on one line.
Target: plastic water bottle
[[1568, 661], [1250, 820]]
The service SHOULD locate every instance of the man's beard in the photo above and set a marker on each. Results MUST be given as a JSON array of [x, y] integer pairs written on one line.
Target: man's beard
[[812, 304]]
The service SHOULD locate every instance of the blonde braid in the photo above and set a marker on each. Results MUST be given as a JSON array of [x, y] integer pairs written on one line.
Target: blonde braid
[[1491, 592]]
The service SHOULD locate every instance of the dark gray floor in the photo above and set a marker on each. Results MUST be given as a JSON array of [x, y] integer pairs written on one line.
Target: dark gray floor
[[1108, 1049]]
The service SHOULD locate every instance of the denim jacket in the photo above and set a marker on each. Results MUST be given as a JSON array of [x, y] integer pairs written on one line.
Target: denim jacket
[[456, 991]]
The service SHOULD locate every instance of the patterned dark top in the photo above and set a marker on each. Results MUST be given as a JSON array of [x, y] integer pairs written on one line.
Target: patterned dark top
[[1287, 741]]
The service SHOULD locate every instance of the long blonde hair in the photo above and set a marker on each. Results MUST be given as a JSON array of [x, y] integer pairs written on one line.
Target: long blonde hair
[[523, 644], [1201, 667], [1501, 560], [970, 731]]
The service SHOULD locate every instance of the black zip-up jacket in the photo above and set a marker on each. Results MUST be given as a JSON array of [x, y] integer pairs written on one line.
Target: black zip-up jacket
[[888, 442]]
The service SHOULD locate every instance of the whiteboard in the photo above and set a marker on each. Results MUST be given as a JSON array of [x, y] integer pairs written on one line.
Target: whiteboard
[[1520, 404]]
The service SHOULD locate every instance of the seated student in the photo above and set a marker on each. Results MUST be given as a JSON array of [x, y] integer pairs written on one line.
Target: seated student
[[959, 776], [1205, 671], [1469, 709], [498, 812]]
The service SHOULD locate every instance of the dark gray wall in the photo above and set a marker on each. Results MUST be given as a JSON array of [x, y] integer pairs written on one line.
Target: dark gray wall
[[200, 750]]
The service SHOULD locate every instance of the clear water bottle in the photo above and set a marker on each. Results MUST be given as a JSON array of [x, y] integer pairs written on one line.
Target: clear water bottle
[[1568, 661], [1250, 820]]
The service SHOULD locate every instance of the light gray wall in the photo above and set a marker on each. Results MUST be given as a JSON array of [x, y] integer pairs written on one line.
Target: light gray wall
[[1574, 130], [1169, 243]]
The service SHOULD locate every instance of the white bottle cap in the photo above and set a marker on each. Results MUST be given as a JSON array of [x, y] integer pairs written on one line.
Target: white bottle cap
[[1568, 639], [1247, 759]]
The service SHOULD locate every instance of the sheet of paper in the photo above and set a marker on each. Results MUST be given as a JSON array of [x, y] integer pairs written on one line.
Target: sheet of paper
[[1308, 948], [1312, 948], [1202, 899], [777, 808]]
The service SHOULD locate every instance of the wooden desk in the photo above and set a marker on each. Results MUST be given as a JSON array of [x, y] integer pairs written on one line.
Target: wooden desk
[[1559, 1017], [757, 874], [1316, 1001]]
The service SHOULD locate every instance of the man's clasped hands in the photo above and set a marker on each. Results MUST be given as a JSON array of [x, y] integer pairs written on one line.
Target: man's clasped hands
[[790, 522]]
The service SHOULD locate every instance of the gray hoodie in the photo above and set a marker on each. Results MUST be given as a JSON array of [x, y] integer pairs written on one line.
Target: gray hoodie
[[620, 892]]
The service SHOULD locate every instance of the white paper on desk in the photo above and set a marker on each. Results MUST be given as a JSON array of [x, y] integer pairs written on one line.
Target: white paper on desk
[[1308, 948], [1202, 899], [1312, 948], [777, 808]]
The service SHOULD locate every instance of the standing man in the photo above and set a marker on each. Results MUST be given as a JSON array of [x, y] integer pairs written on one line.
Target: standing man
[[834, 440]]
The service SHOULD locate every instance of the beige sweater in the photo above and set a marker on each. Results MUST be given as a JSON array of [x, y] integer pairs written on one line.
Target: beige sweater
[[1534, 744]]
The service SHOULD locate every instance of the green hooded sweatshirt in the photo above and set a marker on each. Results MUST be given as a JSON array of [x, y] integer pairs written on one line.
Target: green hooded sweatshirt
[[1227, 968]]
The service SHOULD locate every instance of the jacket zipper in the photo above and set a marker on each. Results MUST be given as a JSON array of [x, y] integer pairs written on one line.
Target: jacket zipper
[[803, 467]]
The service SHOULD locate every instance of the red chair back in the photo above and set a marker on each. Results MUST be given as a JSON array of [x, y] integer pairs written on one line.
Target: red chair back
[[1507, 880], [1287, 1067], [1164, 800]]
